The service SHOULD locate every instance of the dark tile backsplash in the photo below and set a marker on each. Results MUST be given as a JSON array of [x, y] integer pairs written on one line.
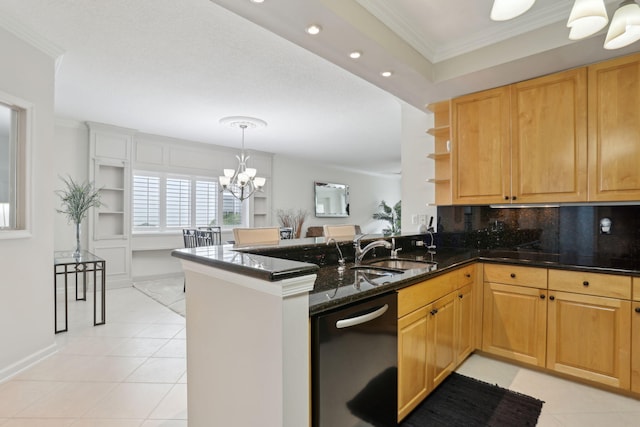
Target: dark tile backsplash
[[573, 230]]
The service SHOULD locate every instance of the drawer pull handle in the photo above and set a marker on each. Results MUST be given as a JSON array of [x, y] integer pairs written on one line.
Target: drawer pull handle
[[542, 296], [462, 296], [513, 275], [434, 311], [552, 298], [585, 283], [506, 197], [637, 309], [467, 275]]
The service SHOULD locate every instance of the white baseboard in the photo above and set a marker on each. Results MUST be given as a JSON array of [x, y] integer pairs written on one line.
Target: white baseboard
[[21, 365]]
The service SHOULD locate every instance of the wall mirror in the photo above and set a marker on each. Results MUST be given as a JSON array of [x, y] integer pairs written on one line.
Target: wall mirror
[[331, 200]]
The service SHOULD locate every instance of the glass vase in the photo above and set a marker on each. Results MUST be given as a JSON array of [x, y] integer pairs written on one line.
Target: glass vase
[[77, 251]]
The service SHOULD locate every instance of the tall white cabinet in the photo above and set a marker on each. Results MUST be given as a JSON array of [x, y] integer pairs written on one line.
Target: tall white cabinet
[[110, 171]]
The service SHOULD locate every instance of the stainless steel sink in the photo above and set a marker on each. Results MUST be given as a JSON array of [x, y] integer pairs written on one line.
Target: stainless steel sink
[[403, 264], [377, 270]]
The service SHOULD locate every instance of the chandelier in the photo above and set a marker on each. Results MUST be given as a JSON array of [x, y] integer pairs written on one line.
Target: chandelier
[[242, 182], [587, 18]]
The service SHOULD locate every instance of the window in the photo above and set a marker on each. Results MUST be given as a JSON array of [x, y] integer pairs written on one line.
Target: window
[[178, 202], [146, 202], [164, 202], [14, 115]]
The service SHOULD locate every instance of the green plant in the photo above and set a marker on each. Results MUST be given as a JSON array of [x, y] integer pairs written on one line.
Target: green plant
[[390, 214], [77, 199]]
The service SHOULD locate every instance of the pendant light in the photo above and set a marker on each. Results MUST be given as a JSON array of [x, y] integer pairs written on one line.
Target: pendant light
[[587, 18], [242, 182], [625, 26], [504, 10]]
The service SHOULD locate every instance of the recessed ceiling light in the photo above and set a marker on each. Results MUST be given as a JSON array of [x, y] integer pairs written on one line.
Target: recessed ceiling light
[[314, 29], [386, 73], [257, 1], [355, 54]]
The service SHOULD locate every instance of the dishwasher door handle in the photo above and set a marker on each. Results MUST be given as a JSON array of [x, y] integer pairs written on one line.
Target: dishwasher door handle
[[358, 320]]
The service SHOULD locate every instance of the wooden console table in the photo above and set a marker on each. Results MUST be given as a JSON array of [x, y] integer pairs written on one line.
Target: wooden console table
[[87, 265]]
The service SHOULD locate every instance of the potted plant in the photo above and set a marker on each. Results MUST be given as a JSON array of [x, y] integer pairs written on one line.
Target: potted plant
[[390, 214], [76, 200]]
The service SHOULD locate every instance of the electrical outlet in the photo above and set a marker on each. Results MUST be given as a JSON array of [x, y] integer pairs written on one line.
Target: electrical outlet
[[423, 219], [414, 219]]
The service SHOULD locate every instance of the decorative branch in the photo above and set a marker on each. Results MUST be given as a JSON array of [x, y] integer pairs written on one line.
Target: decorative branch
[[77, 199]]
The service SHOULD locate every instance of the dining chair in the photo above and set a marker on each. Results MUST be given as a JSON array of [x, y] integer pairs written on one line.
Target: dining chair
[[216, 234], [245, 236], [204, 237], [340, 232], [189, 237]]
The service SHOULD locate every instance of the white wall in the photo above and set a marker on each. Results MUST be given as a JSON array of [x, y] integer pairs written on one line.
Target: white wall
[[293, 189], [26, 306], [416, 167], [71, 159]]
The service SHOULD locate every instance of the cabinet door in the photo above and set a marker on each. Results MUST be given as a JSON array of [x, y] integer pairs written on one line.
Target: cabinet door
[[480, 148], [412, 361], [589, 337], [514, 323], [635, 348], [465, 344], [614, 130], [441, 330], [549, 138]]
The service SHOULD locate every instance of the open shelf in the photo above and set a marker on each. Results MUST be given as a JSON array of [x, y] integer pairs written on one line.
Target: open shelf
[[441, 154]]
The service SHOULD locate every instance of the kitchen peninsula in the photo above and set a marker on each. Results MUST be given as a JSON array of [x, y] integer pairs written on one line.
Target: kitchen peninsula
[[248, 316]]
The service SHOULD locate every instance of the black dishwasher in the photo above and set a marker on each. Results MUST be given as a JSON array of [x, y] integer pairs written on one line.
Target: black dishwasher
[[355, 364]]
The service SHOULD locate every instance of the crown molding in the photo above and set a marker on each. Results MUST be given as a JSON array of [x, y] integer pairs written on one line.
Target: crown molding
[[33, 38], [528, 22]]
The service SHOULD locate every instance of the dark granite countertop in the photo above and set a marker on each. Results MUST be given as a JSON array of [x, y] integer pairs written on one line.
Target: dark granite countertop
[[334, 289], [226, 257]]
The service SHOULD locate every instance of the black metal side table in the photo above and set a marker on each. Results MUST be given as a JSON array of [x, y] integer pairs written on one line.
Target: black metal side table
[[86, 266]]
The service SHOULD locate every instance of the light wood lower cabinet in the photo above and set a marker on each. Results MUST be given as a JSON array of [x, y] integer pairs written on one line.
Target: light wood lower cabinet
[[441, 339], [589, 337], [434, 338], [465, 327], [412, 361], [515, 322], [635, 344]]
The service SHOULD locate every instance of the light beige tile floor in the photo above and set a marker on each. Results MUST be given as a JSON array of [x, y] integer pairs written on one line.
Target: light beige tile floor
[[131, 372]]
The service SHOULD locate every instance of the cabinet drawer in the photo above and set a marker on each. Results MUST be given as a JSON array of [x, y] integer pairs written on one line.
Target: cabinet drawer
[[465, 275], [515, 275], [423, 293], [605, 285], [636, 288]]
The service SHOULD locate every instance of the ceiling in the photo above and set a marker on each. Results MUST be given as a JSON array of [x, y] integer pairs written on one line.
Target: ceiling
[[175, 68]]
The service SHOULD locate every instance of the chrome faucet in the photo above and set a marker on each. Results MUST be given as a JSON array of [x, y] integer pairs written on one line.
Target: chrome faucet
[[431, 246], [341, 261], [361, 252], [394, 251]]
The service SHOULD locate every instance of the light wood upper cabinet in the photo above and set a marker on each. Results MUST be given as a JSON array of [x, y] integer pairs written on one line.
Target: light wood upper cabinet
[[614, 130], [481, 147], [549, 138], [523, 143]]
